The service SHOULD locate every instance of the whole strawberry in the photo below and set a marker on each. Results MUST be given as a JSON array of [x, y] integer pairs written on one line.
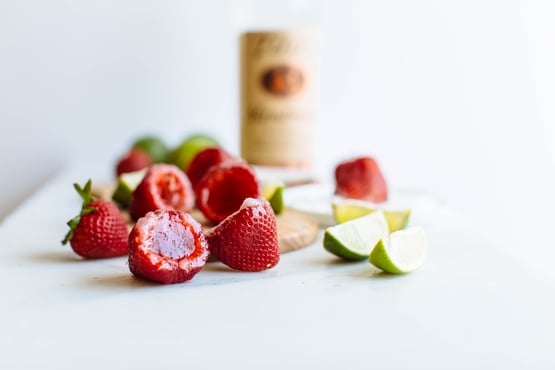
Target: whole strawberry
[[134, 160], [100, 230], [247, 239], [360, 178]]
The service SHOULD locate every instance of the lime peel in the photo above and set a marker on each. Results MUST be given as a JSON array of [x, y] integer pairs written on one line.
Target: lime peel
[[154, 146], [127, 183], [273, 193]]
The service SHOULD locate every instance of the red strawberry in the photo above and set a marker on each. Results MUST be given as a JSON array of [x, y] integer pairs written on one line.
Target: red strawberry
[[247, 240], [360, 178], [224, 188], [164, 186], [203, 161], [132, 161], [100, 230], [167, 247]]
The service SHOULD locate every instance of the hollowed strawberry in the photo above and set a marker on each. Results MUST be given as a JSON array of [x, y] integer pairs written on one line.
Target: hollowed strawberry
[[247, 240], [167, 247], [224, 188], [203, 161], [361, 178], [164, 186]]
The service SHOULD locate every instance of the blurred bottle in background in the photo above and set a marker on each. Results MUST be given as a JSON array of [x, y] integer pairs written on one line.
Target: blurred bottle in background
[[278, 52]]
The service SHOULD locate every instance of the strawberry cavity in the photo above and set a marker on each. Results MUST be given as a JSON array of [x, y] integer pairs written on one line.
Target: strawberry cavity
[[167, 247], [224, 188], [164, 186], [204, 160]]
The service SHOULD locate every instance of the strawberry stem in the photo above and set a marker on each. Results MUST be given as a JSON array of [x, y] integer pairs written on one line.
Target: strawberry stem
[[86, 195]]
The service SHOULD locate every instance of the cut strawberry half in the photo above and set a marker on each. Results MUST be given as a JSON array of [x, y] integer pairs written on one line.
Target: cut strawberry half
[[224, 188], [247, 240], [164, 186], [167, 247], [361, 178], [204, 160]]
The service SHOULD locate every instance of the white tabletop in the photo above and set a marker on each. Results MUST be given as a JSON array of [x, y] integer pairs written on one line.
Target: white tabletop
[[469, 307]]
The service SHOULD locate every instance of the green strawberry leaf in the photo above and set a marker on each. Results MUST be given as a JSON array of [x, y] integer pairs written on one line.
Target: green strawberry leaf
[[86, 194]]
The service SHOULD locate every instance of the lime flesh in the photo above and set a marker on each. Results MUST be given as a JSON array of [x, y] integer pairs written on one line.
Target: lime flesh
[[354, 240], [343, 211], [403, 251], [127, 183]]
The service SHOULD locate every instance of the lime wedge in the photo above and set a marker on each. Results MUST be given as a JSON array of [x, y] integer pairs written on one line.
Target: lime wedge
[[343, 211], [273, 192], [403, 251], [127, 183], [355, 239]]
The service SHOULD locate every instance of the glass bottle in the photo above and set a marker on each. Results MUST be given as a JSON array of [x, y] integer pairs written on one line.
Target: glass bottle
[[278, 43]]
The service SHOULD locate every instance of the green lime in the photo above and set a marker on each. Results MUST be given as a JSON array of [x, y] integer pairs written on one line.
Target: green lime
[[355, 239], [273, 192], [184, 153], [127, 183], [347, 210], [154, 146], [403, 251]]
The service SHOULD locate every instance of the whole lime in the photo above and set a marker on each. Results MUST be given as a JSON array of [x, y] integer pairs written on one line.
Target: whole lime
[[182, 155], [154, 146]]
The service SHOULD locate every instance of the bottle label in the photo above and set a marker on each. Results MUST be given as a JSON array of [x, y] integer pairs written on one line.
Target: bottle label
[[277, 97]]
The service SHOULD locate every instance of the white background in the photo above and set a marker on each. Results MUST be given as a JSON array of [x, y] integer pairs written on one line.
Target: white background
[[453, 97]]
